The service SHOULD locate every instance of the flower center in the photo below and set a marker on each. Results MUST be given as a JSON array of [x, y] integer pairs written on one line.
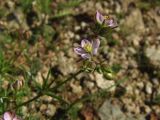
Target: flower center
[[106, 17], [88, 47]]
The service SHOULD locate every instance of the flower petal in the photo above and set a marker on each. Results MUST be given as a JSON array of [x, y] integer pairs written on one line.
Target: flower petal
[[111, 23], [99, 17], [7, 116], [84, 42], [79, 50], [85, 56], [95, 46]]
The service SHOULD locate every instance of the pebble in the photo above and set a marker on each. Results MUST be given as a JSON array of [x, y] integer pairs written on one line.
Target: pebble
[[147, 109], [129, 89], [83, 24], [103, 83], [77, 28], [136, 91], [108, 111], [70, 34], [148, 88], [43, 107], [155, 81], [24, 109], [76, 88], [140, 85], [89, 84], [131, 50], [51, 109], [46, 98]]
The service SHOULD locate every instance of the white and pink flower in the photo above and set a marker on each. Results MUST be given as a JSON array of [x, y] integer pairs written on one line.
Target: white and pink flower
[[10, 116], [87, 48], [106, 20]]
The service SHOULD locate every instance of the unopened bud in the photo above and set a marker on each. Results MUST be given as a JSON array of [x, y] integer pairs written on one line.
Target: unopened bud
[[17, 85], [109, 75]]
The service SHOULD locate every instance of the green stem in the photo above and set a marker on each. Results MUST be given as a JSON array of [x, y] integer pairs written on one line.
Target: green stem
[[25, 103], [68, 79], [55, 88], [56, 97], [94, 95]]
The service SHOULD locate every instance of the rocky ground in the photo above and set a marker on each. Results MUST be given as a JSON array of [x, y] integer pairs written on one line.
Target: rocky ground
[[134, 45]]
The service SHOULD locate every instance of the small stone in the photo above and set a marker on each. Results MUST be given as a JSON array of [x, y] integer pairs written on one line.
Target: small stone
[[134, 22], [155, 81], [109, 112], [46, 98], [5, 84], [118, 8], [43, 107], [136, 91], [133, 108], [24, 109], [131, 50], [140, 85], [77, 28], [83, 24], [89, 84], [76, 88], [148, 88], [153, 54], [77, 37], [70, 34], [66, 65], [103, 83], [11, 5], [155, 16], [51, 110], [135, 39], [147, 109], [129, 89], [39, 79], [158, 37]]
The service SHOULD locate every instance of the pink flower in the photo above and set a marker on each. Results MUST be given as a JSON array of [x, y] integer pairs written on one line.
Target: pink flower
[[106, 20], [10, 116], [87, 48]]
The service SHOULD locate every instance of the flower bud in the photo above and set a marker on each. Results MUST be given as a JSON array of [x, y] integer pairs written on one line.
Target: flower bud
[[17, 85], [109, 75]]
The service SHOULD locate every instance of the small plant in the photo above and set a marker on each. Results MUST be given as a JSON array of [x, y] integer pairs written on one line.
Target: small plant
[[18, 88]]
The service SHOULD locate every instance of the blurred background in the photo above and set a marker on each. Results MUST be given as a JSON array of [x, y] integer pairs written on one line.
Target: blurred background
[[37, 34]]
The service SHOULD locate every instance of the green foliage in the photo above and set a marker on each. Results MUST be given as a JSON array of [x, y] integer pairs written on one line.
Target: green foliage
[[116, 68], [35, 66], [108, 72], [146, 5], [69, 4], [48, 33], [3, 100], [44, 6], [6, 37], [156, 100], [20, 94], [65, 9], [32, 117], [105, 33], [63, 13], [5, 65], [73, 113], [26, 5], [143, 5]]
